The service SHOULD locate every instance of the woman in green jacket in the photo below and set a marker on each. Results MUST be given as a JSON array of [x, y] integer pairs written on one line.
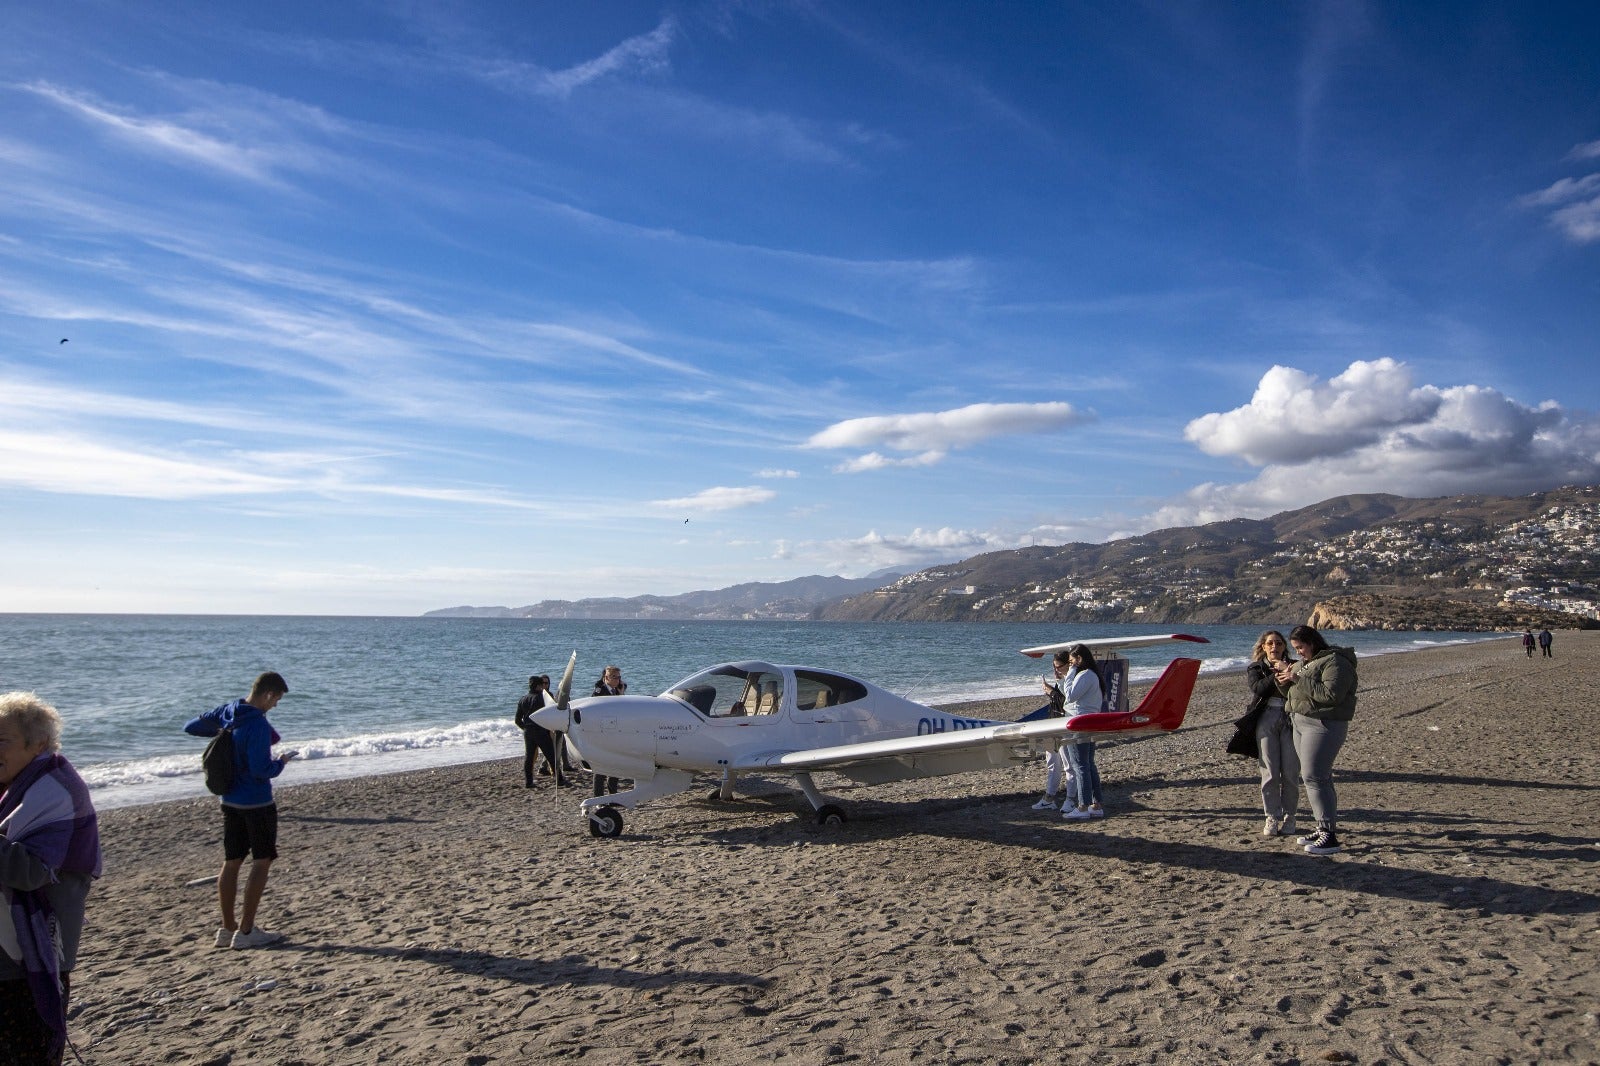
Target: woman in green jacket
[[1320, 696]]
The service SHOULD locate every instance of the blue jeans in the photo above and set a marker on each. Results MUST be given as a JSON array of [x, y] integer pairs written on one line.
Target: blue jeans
[[1084, 788]]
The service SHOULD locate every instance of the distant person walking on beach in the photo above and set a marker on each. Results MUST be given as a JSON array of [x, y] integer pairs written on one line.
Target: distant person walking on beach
[[1545, 640], [1055, 759], [1527, 642], [537, 740], [610, 684], [1081, 685], [1274, 734], [249, 816], [1320, 696], [49, 856]]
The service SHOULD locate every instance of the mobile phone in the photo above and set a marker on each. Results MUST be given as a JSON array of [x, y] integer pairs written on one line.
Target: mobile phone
[[286, 756]]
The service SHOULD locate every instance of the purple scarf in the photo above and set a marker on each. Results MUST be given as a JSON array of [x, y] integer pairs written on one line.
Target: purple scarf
[[46, 810]]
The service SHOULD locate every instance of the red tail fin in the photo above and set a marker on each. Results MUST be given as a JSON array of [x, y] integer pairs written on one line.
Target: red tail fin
[[1168, 699]]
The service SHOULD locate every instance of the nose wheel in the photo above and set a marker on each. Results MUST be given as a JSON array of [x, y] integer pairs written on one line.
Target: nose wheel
[[605, 822]]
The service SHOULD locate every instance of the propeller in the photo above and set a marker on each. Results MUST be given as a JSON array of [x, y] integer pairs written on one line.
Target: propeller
[[564, 690]]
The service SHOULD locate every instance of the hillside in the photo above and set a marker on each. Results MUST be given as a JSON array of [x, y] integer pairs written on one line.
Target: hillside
[[1368, 561], [783, 600]]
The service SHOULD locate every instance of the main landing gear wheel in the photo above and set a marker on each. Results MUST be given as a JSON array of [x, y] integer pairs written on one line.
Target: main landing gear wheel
[[605, 822], [831, 815], [716, 795]]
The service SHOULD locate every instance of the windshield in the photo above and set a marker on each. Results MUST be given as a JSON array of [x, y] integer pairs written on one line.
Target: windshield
[[733, 691]]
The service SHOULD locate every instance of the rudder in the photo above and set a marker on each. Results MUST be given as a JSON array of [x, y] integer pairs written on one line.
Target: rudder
[[1168, 699]]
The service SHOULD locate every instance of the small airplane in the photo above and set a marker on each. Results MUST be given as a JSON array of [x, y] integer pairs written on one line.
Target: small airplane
[[763, 717]]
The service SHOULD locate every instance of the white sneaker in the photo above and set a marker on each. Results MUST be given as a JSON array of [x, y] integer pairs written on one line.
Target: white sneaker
[[1076, 814], [224, 938], [255, 938], [1046, 804], [1271, 828], [1097, 812]]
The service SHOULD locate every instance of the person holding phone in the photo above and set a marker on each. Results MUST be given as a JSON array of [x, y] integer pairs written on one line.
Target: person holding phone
[[249, 815], [1280, 766]]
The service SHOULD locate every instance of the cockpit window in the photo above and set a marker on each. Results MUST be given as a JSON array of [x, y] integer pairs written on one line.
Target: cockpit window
[[814, 690], [732, 692]]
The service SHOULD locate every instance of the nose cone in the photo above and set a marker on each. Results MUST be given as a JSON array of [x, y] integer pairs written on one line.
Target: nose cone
[[555, 719]]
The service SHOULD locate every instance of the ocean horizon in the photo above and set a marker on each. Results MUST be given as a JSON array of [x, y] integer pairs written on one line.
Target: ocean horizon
[[371, 695]]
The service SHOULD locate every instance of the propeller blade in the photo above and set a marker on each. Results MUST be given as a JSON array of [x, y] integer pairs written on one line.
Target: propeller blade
[[564, 690]]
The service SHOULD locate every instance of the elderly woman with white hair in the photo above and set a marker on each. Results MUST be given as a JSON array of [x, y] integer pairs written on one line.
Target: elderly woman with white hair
[[49, 855]]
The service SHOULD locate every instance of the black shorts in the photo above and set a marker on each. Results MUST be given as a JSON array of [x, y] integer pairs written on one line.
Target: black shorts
[[250, 831]]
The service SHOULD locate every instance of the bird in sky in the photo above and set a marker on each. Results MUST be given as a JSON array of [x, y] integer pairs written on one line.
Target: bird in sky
[[63, 340]]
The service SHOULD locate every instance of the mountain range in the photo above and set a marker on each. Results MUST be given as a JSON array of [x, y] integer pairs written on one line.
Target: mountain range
[[1370, 561]]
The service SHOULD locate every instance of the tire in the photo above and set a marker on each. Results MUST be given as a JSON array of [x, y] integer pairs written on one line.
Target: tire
[[830, 815], [606, 822]]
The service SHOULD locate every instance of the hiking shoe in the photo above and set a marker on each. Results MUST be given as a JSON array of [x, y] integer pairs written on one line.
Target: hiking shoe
[[224, 938], [255, 938], [1046, 804], [1076, 814], [1324, 844]]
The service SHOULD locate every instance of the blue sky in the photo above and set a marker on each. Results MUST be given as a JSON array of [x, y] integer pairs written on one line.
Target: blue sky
[[377, 308]]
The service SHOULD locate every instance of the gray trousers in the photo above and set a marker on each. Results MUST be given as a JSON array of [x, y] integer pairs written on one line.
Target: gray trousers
[[1317, 742], [1280, 766]]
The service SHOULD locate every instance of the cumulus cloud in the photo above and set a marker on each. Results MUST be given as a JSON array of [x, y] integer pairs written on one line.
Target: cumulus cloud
[[1292, 417], [1371, 430], [718, 498], [931, 435]]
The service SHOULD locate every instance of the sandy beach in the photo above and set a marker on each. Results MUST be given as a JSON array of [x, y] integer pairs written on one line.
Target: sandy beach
[[453, 917]]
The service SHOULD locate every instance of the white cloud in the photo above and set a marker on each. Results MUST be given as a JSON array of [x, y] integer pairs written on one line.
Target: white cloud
[[1292, 418], [776, 473], [919, 548], [169, 137], [719, 498], [1369, 430], [1576, 201], [933, 434]]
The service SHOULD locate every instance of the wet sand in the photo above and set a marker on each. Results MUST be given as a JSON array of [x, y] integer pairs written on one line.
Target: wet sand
[[452, 917]]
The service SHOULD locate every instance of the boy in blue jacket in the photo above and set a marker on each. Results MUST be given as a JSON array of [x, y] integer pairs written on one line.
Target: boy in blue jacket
[[249, 816]]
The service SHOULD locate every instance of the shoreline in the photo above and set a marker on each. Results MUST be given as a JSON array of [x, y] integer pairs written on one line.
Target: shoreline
[[450, 915], [178, 778]]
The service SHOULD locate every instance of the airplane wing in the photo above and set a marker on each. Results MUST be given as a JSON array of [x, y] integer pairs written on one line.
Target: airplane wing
[[931, 755], [1112, 643]]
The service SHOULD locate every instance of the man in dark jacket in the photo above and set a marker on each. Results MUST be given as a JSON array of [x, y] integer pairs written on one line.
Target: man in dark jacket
[[249, 815]]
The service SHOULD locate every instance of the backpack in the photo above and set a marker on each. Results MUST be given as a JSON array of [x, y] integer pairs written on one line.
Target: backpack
[[217, 762]]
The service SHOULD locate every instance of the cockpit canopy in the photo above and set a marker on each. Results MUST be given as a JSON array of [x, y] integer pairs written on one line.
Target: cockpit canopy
[[735, 690]]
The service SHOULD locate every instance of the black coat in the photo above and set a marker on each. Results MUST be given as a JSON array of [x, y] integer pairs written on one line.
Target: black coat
[[1263, 687]]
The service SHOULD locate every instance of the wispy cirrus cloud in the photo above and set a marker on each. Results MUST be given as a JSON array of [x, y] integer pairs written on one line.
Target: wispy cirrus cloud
[[258, 161], [931, 435], [718, 498], [1573, 204]]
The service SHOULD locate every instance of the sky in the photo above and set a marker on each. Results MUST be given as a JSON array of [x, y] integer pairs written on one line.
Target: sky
[[376, 308]]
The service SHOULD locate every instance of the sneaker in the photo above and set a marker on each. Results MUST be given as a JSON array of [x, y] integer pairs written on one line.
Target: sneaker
[[1310, 838], [1097, 812], [1286, 828], [1046, 804], [1076, 814], [255, 938], [1324, 844], [224, 938], [1271, 828]]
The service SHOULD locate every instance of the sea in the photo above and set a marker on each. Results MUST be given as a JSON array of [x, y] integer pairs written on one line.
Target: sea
[[380, 695]]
